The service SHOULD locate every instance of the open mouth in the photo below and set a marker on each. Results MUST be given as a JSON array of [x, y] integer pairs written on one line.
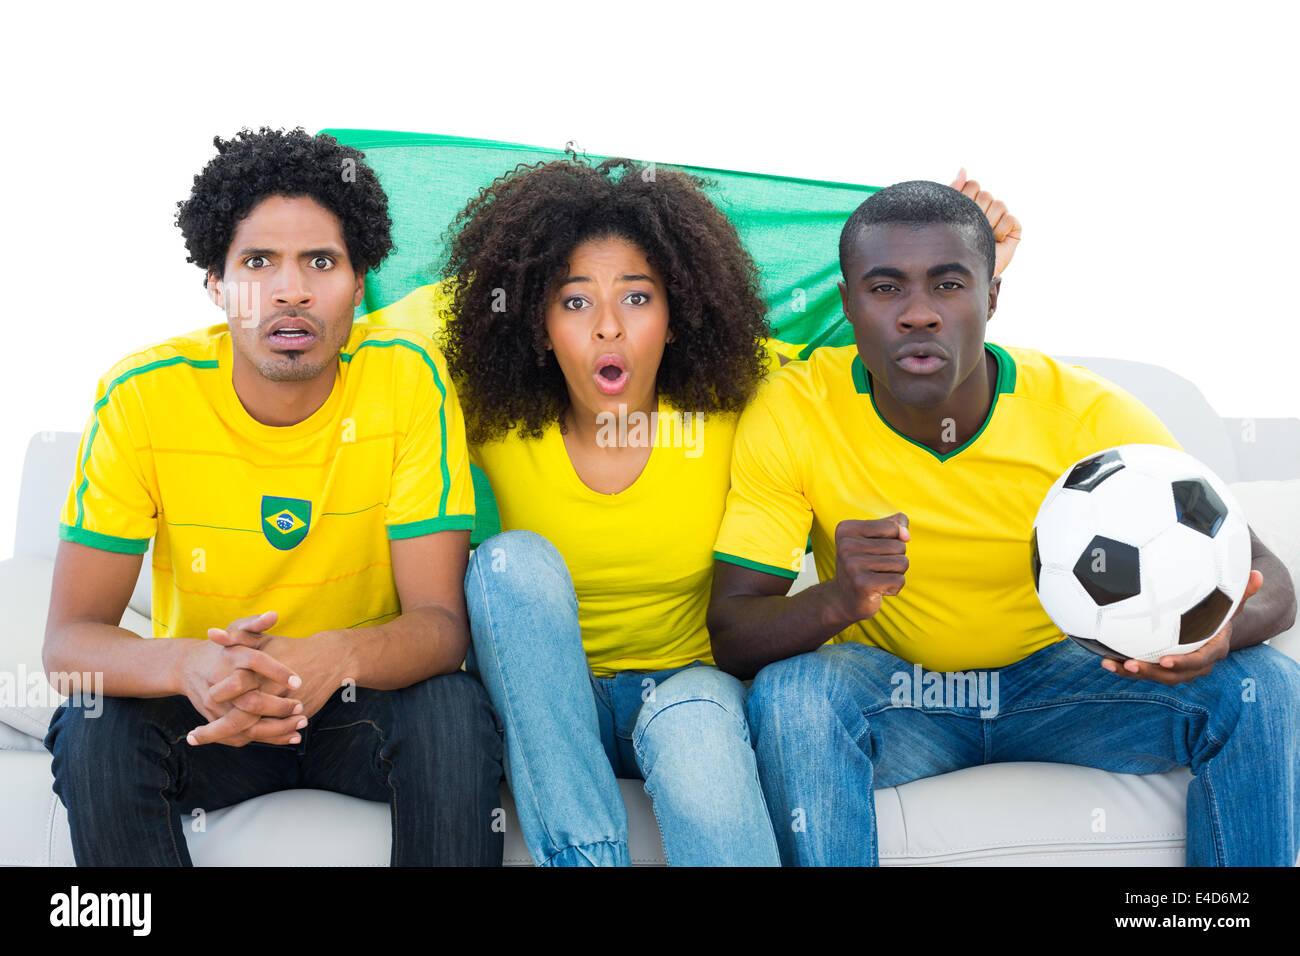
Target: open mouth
[[292, 338], [611, 374]]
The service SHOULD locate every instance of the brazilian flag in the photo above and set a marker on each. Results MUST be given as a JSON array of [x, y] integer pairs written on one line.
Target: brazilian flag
[[285, 521], [790, 226]]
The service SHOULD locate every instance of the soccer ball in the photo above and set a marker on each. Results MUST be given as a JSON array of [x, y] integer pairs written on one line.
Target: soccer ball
[[1140, 551]]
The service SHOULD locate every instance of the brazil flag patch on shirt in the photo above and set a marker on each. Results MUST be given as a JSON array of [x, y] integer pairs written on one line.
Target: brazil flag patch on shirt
[[285, 521]]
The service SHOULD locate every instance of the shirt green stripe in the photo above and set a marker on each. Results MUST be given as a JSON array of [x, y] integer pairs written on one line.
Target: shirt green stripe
[[344, 514], [94, 430], [104, 542], [214, 527], [442, 407], [415, 529], [755, 565]]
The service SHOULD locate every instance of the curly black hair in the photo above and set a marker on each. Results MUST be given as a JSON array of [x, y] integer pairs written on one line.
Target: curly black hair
[[516, 236], [252, 166]]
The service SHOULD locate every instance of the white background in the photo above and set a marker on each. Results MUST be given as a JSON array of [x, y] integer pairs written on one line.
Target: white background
[[1146, 147]]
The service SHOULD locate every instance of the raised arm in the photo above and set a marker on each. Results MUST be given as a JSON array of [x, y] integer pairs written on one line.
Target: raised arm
[[1006, 227]]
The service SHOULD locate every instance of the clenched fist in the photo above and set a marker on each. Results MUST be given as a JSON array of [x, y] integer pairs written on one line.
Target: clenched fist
[[870, 563]]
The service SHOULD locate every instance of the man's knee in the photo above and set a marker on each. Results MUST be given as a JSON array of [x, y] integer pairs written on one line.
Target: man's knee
[[837, 682], [456, 692], [779, 684], [85, 722], [1264, 678], [95, 739], [786, 689]]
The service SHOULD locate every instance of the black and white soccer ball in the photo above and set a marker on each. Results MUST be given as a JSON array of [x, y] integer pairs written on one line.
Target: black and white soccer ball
[[1140, 551]]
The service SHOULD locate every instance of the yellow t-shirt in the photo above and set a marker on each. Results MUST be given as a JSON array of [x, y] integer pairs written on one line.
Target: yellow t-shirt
[[812, 451], [641, 560], [249, 517]]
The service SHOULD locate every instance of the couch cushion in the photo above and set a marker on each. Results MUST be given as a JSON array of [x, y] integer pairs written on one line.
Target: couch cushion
[[47, 469], [1035, 814], [289, 828], [11, 738], [27, 701], [33, 823], [1266, 448], [1003, 814]]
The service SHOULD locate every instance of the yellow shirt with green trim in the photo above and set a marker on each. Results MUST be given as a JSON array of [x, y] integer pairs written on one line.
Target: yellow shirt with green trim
[[249, 517], [641, 560], [812, 450]]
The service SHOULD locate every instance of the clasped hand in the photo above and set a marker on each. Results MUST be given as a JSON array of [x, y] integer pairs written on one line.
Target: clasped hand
[[239, 681]]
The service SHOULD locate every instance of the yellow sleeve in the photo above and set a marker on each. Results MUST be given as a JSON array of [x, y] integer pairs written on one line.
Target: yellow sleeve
[[112, 504], [431, 490], [765, 527], [1118, 418]]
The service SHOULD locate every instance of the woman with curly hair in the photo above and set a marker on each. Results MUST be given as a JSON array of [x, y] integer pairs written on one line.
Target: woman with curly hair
[[605, 329]]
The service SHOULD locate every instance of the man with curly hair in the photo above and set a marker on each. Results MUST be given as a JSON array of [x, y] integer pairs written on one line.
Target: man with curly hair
[[306, 484]]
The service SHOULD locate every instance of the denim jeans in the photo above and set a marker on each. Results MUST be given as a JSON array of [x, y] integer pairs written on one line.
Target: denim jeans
[[431, 751], [827, 732], [569, 734]]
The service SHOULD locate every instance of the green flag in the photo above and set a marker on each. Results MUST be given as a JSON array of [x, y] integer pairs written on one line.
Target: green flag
[[790, 226]]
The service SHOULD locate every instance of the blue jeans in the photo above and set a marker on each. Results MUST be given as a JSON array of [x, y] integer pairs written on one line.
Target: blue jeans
[[569, 734], [827, 733], [431, 751]]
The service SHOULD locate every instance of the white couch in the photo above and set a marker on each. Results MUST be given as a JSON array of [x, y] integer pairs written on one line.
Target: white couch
[[1013, 814]]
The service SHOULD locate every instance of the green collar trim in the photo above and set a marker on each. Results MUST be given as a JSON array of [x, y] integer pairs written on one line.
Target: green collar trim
[[860, 380], [1006, 369], [1006, 384]]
